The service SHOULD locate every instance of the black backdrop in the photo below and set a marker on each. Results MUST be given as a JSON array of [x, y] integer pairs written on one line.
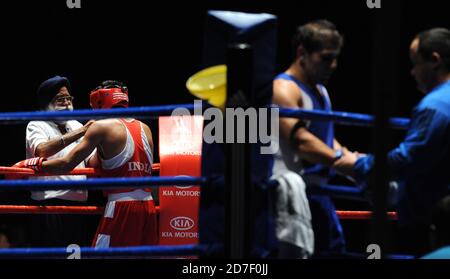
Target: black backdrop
[[154, 46]]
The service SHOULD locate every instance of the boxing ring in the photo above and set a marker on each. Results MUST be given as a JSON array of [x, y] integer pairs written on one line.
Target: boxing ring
[[144, 182], [244, 74]]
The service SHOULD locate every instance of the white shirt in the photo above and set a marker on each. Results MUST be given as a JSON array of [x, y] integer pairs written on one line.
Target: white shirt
[[42, 131]]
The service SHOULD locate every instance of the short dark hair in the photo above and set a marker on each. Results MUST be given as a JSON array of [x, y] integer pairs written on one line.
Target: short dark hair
[[435, 40], [111, 84], [313, 35]]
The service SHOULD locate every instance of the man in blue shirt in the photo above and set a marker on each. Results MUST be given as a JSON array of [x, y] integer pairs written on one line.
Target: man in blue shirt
[[422, 161]]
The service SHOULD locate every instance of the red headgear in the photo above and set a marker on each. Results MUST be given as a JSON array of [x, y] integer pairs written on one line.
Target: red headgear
[[105, 98]]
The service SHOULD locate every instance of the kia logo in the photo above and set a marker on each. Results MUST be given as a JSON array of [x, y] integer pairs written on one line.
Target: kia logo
[[182, 223]]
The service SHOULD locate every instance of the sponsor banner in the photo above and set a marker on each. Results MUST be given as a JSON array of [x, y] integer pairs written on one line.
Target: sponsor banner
[[180, 145]]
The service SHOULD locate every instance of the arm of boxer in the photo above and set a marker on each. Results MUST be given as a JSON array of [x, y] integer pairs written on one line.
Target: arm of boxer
[[310, 148], [93, 161], [55, 145], [337, 145], [92, 138], [345, 164], [149, 135]]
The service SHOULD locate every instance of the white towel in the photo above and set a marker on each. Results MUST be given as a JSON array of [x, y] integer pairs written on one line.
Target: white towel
[[293, 216]]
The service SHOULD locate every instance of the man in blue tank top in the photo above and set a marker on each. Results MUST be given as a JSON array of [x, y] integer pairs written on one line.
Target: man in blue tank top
[[422, 161], [309, 148]]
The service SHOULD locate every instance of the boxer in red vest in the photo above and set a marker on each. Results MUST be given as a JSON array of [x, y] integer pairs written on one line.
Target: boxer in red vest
[[124, 149]]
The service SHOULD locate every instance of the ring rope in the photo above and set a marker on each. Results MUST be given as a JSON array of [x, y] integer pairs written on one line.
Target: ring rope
[[136, 251], [362, 215], [88, 114], [334, 190], [79, 171], [54, 209], [347, 192], [39, 209], [180, 250], [347, 118], [155, 111], [101, 183], [112, 183], [353, 255]]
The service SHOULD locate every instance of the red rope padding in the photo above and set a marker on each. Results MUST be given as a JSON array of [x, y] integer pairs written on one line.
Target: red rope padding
[[33, 209], [361, 215], [81, 171], [4, 209], [42, 209], [37, 209]]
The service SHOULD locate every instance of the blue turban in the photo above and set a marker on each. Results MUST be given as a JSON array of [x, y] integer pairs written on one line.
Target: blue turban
[[49, 88]]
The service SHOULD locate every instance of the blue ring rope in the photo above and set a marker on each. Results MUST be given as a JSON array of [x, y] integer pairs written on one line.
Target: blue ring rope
[[347, 118], [356, 119], [87, 114], [114, 183], [347, 192], [181, 250], [101, 183], [145, 182], [137, 251]]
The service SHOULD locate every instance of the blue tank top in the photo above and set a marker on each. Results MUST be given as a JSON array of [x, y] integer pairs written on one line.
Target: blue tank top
[[324, 130]]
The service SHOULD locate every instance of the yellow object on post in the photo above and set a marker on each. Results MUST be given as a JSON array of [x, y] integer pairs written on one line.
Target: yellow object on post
[[210, 85]]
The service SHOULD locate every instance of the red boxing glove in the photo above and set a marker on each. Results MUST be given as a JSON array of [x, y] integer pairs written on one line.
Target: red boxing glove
[[32, 163]]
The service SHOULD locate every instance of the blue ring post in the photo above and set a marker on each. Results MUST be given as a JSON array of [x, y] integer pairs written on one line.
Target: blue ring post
[[386, 42], [239, 187]]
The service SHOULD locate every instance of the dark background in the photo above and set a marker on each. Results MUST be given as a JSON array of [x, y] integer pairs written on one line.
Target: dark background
[[154, 46]]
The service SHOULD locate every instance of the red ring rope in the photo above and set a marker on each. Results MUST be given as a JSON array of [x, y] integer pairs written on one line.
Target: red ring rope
[[361, 215], [43, 209], [24, 209], [34, 209], [80, 171]]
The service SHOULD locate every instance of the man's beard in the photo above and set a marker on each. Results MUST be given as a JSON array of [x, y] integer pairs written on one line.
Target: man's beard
[[52, 107]]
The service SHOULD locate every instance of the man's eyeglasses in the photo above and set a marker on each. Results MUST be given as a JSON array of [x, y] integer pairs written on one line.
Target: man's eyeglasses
[[62, 100]]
